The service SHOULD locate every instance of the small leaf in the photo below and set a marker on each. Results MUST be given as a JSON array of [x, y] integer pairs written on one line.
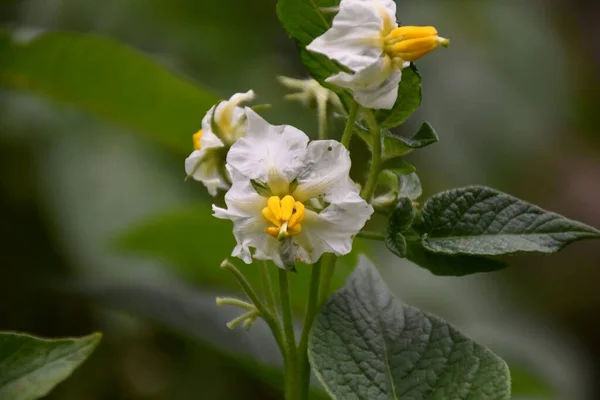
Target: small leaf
[[409, 186], [450, 265], [367, 344], [400, 220], [31, 367], [482, 221], [409, 100], [108, 79], [261, 188], [395, 146]]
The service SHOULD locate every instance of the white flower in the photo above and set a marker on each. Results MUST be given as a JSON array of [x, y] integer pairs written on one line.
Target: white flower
[[307, 205], [222, 126], [365, 38]]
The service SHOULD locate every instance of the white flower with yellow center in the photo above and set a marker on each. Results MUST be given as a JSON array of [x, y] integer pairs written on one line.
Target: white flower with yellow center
[[290, 200], [222, 126], [365, 38]]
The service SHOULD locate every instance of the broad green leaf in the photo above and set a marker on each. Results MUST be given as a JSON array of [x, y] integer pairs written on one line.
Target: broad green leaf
[[409, 100], [303, 21], [399, 221], [482, 221], [195, 243], [31, 367], [108, 79], [366, 344], [450, 264]]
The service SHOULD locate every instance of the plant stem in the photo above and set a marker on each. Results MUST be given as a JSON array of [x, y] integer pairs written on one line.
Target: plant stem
[[371, 235], [269, 318], [230, 301], [312, 307], [371, 184], [328, 263], [322, 116], [291, 366], [349, 128], [267, 287]]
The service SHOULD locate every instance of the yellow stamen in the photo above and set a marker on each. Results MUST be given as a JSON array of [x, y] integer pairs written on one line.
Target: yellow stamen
[[196, 140], [410, 43], [285, 215]]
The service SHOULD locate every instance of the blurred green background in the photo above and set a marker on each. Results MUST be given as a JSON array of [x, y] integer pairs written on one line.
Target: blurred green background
[[101, 233]]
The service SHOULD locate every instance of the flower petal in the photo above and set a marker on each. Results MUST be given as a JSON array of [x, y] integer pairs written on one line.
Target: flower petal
[[332, 230], [375, 86], [228, 113], [354, 37], [244, 208], [326, 173], [268, 153], [205, 165]]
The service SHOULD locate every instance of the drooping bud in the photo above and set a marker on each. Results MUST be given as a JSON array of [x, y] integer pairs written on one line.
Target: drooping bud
[[410, 43]]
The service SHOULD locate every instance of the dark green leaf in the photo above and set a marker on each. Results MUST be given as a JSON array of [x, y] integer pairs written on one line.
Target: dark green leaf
[[31, 367], [482, 221], [409, 100], [450, 265], [400, 220], [424, 137], [108, 79], [366, 344]]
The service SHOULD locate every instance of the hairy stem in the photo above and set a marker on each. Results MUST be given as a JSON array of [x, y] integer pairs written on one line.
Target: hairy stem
[[291, 366], [371, 235], [349, 128], [328, 262], [322, 116], [267, 287], [371, 184], [312, 307]]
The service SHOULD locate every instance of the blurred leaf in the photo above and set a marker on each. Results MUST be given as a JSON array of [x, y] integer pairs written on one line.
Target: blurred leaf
[[450, 265], [367, 344], [108, 79], [399, 221], [31, 367], [409, 100], [193, 313], [303, 21], [482, 221], [195, 242], [526, 383]]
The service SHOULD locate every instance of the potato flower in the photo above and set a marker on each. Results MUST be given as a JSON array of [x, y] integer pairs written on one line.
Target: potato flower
[[290, 199], [366, 39], [222, 126]]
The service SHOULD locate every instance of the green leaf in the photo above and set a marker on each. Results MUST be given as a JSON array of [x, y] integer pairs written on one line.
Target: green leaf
[[400, 220], [31, 367], [108, 79], [303, 21], [394, 146], [482, 221], [409, 100], [448, 264], [366, 344], [195, 243], [409, 185]]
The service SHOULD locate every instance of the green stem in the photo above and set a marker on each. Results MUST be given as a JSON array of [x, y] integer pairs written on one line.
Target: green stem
[[269, 318], [371, 184], [349, 128], [230, 301], [328, 262], [291, 367], [322, 116], [371, 235], [311, 311], [267, 287]]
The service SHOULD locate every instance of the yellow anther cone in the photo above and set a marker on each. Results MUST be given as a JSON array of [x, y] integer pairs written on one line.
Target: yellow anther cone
[[287, 207], [196, 137]]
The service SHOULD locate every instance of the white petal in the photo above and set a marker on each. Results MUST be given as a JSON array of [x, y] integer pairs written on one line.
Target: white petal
[[268, 152], [326, 173], [332, 230], [206, 166], [373, 87], [231, 107], [244, 208], [353, 39]]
